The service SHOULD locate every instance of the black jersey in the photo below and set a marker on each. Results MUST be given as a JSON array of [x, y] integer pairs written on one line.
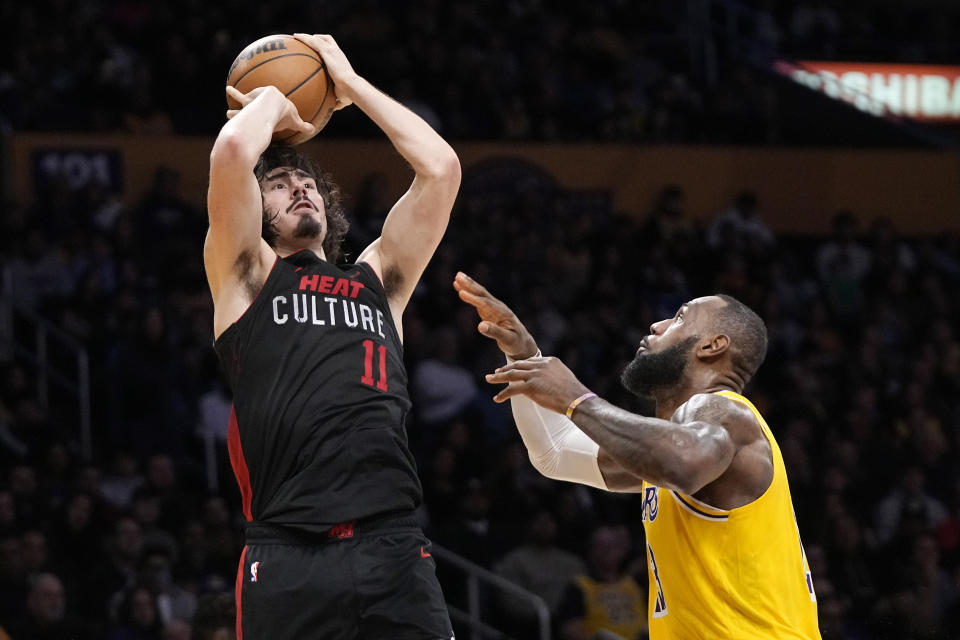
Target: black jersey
[[317, 434]]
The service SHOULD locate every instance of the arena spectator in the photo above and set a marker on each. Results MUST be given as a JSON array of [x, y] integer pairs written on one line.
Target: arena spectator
[[539, 566], [606, 598]]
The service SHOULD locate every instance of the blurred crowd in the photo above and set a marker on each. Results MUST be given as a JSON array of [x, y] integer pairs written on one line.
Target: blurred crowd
[[656, 70], [861, 388]]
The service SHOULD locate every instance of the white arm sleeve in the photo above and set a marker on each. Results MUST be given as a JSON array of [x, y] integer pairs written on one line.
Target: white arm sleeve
[[557, 448]]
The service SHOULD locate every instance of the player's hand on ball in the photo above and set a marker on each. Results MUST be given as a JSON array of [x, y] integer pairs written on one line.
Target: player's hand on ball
[[339, 68], [290, 118], [243, 98], [498, 321]]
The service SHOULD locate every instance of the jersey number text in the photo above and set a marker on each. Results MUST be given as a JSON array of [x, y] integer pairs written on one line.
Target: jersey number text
[[367, 379]]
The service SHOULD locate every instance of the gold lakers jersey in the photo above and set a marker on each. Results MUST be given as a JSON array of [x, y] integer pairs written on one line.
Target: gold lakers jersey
[[740, 574], [616, 607]]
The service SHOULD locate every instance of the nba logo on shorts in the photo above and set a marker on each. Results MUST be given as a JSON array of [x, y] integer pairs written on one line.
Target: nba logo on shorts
[[253, 571], [648, 512]]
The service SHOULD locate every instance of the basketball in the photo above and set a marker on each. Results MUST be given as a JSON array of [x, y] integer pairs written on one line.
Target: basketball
[[293, 68]]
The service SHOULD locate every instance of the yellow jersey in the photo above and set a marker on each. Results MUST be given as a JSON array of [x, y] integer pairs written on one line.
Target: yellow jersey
[[739, 574], [616, 607]]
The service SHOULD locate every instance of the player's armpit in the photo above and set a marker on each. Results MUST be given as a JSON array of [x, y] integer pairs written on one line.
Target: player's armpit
[[234, 207], [414, 227], [236, 258], [234, 199]]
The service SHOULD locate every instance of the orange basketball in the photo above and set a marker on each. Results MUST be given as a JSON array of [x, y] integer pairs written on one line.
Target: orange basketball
[[293, 68]]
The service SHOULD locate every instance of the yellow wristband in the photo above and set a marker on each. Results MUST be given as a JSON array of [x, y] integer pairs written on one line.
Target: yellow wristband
[[576, 403]]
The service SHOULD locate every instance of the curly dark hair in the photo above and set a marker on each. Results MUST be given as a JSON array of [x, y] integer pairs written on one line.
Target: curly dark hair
[[279, 154]]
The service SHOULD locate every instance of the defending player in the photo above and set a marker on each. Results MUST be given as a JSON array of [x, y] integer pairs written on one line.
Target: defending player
[[313, 353], [723, 550]]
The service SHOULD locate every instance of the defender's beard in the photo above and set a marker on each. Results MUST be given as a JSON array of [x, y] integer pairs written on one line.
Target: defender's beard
[[648, 372]]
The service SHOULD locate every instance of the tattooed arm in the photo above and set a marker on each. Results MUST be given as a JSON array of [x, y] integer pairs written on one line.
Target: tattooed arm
[[711, 444], [711, 448], [686, 453]]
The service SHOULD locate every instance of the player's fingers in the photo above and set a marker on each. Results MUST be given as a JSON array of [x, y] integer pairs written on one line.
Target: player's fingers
[[484, 307], [473, 299], [520, 365], [481, 298], [506, 377], [460, 281], [307, 39], [507, 393], [470, 298], [463, 278], [307, 128], [475, 286], [232, 112], [317, 41], [494, 331], [236, 95], [466, 281]]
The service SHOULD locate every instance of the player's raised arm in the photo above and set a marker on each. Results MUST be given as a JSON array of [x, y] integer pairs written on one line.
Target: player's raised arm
[[683, 454], [557, 448], [416, 223], [235, 257]]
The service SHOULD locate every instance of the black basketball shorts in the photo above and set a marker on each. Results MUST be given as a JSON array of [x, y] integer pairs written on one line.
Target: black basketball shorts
[[360, 582]]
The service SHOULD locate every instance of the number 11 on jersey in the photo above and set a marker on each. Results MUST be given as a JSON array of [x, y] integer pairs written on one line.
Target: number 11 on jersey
[[367, 379]]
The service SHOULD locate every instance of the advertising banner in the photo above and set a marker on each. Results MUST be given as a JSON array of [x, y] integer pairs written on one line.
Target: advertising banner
[[927, 93]]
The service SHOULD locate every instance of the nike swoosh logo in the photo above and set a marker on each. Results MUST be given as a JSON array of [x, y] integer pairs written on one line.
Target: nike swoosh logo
[[423, 554]]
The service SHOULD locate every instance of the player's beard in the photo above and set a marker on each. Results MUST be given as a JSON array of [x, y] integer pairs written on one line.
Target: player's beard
[[649, 372], [307, 227]]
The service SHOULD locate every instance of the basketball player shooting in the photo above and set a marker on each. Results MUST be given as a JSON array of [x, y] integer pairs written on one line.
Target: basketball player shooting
[[313, 354], [723, 551]]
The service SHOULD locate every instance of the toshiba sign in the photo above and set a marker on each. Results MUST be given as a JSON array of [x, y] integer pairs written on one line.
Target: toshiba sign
[[921, 92]]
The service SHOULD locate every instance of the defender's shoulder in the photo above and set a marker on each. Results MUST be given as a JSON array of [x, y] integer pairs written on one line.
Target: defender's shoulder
[[713, 408]]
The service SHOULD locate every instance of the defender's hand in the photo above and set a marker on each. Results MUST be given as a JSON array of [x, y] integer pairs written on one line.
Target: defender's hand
[[498, 321], [289, 118], [338, 67], [546, 381]]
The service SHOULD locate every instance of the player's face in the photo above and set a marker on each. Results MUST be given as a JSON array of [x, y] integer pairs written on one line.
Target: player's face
[[663, 356], [291, 199], [691, 319], [669, 331]]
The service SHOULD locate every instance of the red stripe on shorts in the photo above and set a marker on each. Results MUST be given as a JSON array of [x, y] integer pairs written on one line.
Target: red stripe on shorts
[[238, 591]]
